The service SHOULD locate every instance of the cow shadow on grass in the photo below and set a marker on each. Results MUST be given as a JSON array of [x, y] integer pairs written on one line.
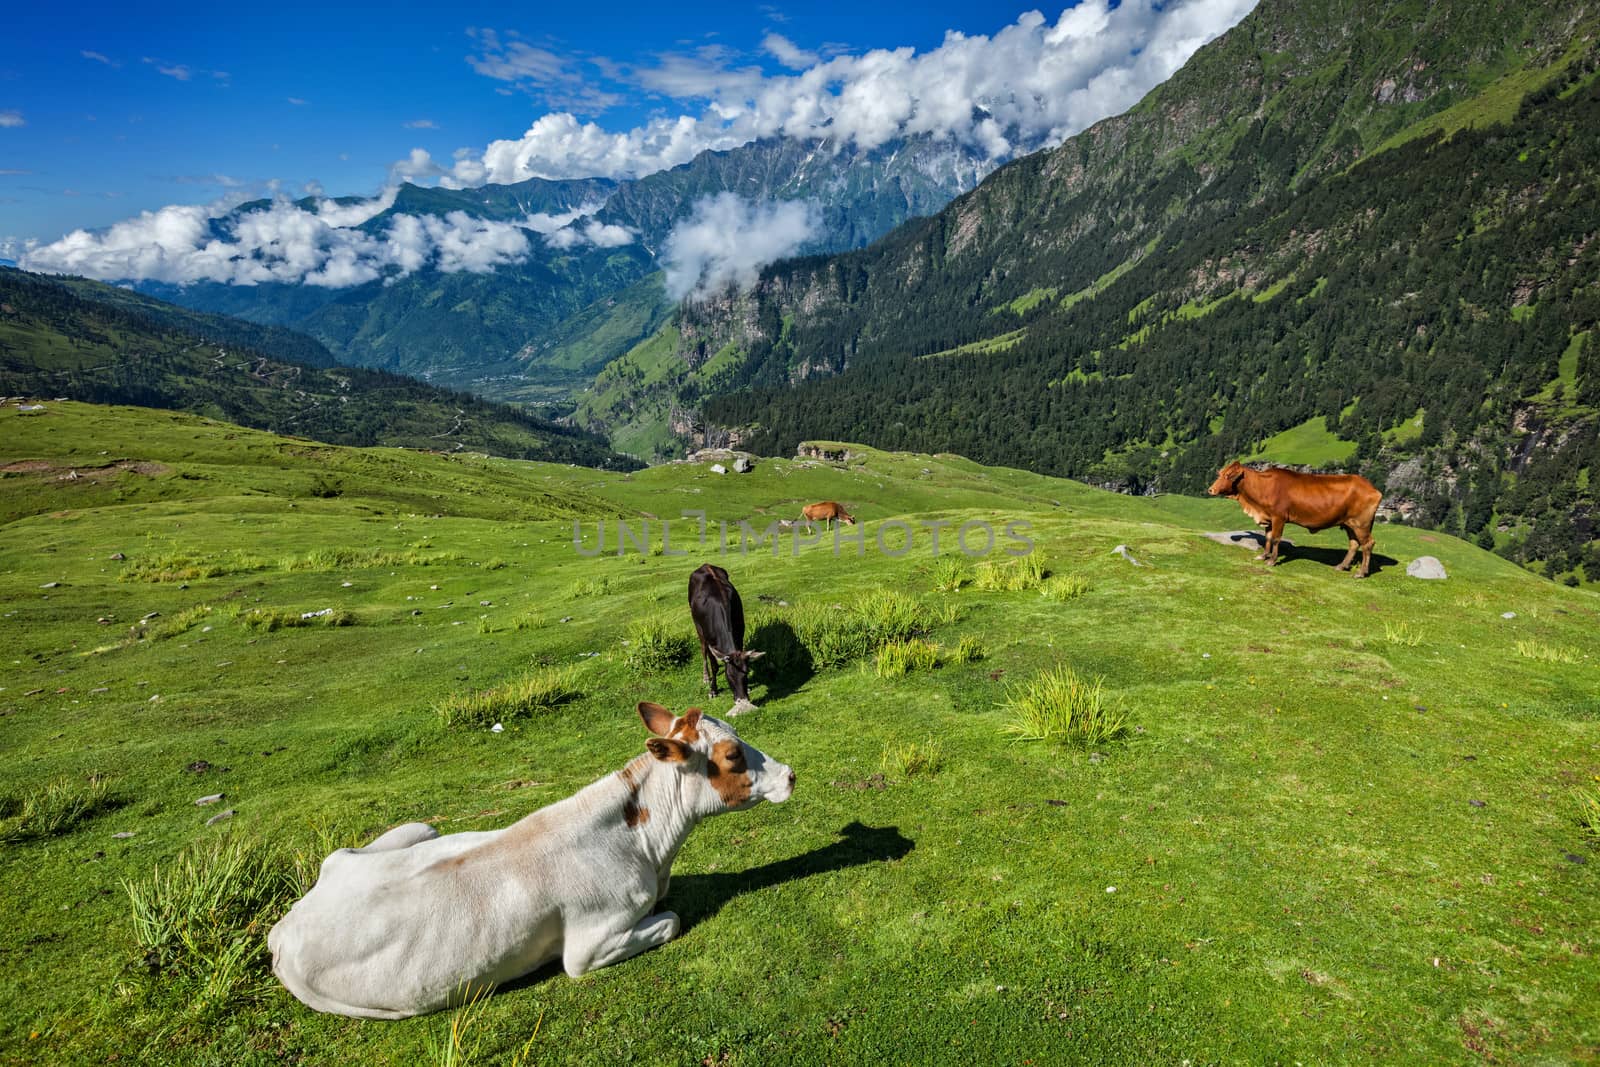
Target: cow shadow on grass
[[1288, 552], [698, 897], [787, 665]]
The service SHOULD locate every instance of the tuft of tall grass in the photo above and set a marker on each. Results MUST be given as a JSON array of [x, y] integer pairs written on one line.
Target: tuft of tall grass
[[658, 643], [837, 634], [1025, 572], [949, 574], [890, 615], [334, 559], [53, 808], [201, 923], [1064, 587], [909, 759], [1061, 706], [899, 658], [186, 567], [1547, 653], [1401, 633], [969, 650], [174, 625], [269, 620], [587, 587], [1587, 802], [537, 690]]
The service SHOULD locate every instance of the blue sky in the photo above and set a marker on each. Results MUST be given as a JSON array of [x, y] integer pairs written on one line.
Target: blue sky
[[133, 129], [103, 138]]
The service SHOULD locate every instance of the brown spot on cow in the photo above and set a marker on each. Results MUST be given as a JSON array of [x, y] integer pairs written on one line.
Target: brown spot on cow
[[729, 775], [633, 814], [686, 728]]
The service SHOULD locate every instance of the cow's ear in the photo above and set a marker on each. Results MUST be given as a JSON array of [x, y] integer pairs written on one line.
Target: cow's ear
[[754, 655], [722, 657], [668, 750], [657, 719]]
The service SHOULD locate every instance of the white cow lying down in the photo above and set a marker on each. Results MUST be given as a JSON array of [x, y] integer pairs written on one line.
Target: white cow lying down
[[415, 922]]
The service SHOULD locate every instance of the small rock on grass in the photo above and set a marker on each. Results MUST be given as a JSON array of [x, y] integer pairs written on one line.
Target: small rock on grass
[[1426, 567], [212, 799], [220, 817], [123, 835], [1122, 550]]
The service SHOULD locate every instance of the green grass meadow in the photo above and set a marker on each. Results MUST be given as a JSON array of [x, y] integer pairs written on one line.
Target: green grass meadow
[[1342, 820]]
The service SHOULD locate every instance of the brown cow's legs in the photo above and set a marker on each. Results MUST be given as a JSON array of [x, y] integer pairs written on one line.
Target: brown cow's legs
[[1366, 553], [1355, 544], [1274, 535]]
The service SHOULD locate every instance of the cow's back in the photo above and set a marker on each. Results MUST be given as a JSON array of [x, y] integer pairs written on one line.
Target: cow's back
[[388, 934], [1315, 501], [715, 605]]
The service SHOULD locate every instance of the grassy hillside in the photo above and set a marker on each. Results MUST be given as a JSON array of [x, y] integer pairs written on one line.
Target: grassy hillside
[[87, 341], [1226, 293], [1341, 825]]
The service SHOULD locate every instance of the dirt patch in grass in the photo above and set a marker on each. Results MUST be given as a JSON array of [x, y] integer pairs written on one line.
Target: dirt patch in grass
[[70, 472]]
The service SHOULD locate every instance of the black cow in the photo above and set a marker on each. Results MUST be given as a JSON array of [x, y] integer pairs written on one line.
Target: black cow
[[719, 620]]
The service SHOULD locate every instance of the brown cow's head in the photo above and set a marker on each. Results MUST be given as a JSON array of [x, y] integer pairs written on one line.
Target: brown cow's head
[[846, 518], [1227, 483]]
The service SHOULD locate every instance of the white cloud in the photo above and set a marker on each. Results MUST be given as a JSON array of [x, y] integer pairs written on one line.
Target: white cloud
[[281, 243], [98, 57], [728, 239], [1032, 84], [787, 52], [297, 101], [420, 124], [592, 232], [11, 119], [176, 70], [560, 81]]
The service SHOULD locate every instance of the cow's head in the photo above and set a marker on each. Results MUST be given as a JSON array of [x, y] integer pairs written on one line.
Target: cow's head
[[736, 665], [846, 518], [1227, 483], [732, 775]]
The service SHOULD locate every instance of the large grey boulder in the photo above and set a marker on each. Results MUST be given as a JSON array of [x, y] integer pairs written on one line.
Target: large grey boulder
[[1426, 567]]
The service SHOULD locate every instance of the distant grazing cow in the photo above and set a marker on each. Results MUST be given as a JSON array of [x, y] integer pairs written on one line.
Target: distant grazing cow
[[719, 620], [825, 512], [1275, 496], [415, 922]]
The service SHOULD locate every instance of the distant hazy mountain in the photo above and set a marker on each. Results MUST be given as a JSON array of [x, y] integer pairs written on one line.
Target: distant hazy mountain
[[548, 323]]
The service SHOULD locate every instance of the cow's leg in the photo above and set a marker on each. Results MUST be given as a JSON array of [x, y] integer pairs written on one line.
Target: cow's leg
[[1274, 535], [590, 948], [709, 671], [402, 837], [1355, 544], [1366, 552]]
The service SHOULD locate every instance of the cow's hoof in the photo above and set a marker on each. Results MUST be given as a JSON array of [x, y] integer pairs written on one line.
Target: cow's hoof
[[1260, 557], [1342, 567], [740, 707], [1359, 576]]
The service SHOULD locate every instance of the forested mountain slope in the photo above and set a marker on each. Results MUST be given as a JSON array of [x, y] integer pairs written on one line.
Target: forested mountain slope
[[87, 341], [1367, 229]]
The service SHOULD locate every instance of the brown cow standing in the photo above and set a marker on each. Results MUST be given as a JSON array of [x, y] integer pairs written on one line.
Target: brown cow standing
[[825, 511], [1315, 501]]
